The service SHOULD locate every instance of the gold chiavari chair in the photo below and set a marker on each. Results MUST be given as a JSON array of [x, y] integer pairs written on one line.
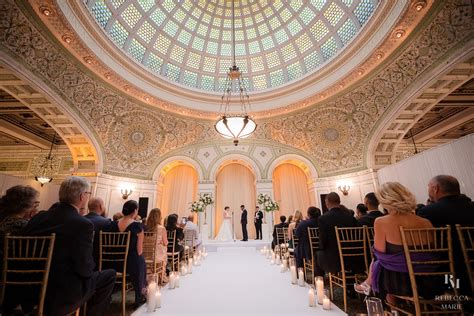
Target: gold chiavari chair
[[369, 235], [190, 247], [27, 262], [431, 250], [149, 252], [295, 243], [281, 235], [173, 255], [352, 250], [466, 238], [113, 254], [313, 235]]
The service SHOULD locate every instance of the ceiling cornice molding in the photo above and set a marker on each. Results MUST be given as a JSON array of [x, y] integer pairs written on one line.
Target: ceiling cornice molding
[[319, 86]]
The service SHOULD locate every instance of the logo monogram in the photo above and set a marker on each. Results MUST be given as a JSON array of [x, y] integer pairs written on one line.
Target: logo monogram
[[449, 280]]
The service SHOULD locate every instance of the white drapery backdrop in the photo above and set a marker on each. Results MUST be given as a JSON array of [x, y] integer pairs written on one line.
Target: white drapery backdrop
[[235, 185], [179, 191], [454, 158], [290, 189]]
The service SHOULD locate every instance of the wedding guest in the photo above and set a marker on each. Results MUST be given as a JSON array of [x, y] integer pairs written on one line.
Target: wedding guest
[[372, 204], [282, 224], [190, 226], [303, 250], [16, 208], [172, 225], [136, 266], [361, 210], [450, 207], [328, 254], [297, 218], [387, 276], [153, 224], [72, 279], [117, 216], [96, 213]]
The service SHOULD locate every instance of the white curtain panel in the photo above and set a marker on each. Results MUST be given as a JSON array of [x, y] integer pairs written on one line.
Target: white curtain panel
[[235, 185], [179, 191], [290, 189], [455, 158]]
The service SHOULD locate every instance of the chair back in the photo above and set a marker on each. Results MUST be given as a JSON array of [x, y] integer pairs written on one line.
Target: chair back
[[313, 235], [466, 238], [352, 247], [149, 250], [189, 238], [296, 240], [428, 252], [171, 234], [113, 250], [27, 262], [281, 235], [369, 235]]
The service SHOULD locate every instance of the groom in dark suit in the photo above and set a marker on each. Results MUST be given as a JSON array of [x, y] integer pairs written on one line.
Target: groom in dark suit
[[258, 222], [243, 221]]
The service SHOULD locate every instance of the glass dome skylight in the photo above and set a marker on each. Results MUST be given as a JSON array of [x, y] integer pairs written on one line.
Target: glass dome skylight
[[189, 42]]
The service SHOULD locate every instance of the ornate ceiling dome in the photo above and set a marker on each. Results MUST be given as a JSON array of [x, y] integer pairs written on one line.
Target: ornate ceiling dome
[[190, 42]]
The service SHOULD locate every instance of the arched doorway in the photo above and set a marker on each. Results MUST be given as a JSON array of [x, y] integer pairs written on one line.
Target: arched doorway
[[177, 190], [235, 185], [290, 189]]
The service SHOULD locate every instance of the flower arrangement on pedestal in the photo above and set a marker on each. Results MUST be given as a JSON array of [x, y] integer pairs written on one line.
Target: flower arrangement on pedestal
[[203, 201], [265, 201]]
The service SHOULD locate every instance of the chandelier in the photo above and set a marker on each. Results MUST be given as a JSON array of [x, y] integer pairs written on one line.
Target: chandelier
[[46, 167], [231, 125]]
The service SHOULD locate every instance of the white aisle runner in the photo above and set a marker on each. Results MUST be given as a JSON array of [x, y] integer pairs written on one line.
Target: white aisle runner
[[237, 281]]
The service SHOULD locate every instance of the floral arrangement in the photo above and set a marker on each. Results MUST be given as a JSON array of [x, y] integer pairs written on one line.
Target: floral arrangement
[[201, 204], [265, 201]]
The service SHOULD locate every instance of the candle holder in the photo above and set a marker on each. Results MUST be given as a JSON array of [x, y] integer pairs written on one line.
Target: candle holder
[[293, 271], [300, 277], [311, 297], [327, 304], [319, 281]]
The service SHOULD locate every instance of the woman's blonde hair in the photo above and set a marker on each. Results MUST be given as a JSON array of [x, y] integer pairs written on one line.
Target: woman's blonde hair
[[153, 219], [298, 217], [395, 197]]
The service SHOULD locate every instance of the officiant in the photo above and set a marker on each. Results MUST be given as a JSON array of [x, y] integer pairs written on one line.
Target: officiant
[[258, 222]]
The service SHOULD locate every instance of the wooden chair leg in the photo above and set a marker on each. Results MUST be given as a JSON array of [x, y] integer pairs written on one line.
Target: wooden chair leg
[[124, 287], [330, 286], [344, 294]]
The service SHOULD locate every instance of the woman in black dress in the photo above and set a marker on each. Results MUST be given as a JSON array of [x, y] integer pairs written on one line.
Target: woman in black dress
[[136, 266], [172, 224]]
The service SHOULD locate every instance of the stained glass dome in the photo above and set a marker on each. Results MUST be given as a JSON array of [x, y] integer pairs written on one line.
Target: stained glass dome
[[190, 42]]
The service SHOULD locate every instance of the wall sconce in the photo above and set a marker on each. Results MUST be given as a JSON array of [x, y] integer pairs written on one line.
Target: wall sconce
[[344, 188], [126, 193]]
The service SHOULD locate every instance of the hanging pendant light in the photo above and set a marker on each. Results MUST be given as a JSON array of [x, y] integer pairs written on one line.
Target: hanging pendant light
[[46, 168], [241, 125]]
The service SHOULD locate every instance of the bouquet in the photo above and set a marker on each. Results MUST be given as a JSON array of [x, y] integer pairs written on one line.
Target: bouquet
[[265, 201], [201, 204]]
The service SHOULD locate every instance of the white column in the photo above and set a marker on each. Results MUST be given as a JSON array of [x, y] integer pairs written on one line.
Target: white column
[[313, 193], [266, 187], [206, 219]]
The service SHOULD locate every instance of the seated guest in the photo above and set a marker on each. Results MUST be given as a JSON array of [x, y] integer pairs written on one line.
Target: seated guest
[[282, 224], [136, 266], [386, 272], [303, 250], [96, 216], [328, 254], [117, 216], [190, 226], [361, 210], [373, 212], [72, 280], [297, 218], [16, 208], [171, 225], [450, 207], [153, 224]]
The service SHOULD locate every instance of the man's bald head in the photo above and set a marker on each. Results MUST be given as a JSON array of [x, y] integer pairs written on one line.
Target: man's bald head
[[191, 217], [443, 185], [96, 205]]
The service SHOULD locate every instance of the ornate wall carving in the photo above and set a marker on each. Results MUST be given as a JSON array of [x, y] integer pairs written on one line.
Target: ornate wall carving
[[134, 137]]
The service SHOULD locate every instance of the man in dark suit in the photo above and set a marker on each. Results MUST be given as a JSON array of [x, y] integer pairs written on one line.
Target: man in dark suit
[[282, 224], [328, 254], [450, 207], [373, 212], [303, 250], [258, 222], [72, 280], [243, 222], [96, 216]]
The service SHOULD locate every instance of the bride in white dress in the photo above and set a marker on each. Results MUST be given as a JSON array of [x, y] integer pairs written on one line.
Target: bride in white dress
[[225, 232]]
